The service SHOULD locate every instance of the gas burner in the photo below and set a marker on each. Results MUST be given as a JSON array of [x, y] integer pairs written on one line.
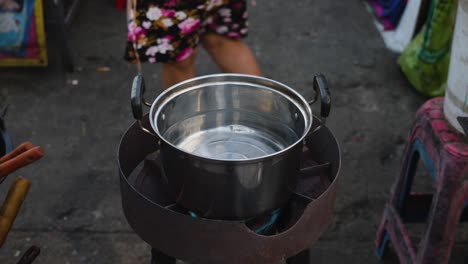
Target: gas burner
[[263, 225], [287, 232]]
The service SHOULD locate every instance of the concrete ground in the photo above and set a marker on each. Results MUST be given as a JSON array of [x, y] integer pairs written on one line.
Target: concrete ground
[[73, 209]]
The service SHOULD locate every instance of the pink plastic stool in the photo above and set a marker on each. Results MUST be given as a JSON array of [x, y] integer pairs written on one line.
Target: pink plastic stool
[[444, 153]]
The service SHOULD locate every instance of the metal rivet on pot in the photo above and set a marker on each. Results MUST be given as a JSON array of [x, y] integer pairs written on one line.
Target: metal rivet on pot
[[163, 116]]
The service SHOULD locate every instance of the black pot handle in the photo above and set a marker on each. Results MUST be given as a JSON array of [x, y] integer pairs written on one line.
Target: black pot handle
[[321, 89], [137, 100], [138, 89]]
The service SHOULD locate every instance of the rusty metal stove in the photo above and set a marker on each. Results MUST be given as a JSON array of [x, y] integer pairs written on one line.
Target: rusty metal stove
[[174, 233]]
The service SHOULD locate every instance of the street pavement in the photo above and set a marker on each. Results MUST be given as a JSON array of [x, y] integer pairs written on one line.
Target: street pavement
[[73, 210]]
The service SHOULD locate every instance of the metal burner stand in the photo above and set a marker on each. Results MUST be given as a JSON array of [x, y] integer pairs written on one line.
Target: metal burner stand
[[151, 211]]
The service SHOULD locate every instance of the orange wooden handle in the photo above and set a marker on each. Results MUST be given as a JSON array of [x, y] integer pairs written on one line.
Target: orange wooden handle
[[21, 160], [18, 150]]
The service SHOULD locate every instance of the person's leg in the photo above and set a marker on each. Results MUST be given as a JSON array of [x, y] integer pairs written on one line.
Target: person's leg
[[175, 72], [166, 35], [231, 55]]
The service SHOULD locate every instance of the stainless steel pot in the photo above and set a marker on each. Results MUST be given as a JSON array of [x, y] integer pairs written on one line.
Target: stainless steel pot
[[231, 144]]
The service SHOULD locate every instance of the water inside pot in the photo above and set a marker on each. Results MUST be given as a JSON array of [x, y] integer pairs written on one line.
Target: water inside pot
[[231, 135]]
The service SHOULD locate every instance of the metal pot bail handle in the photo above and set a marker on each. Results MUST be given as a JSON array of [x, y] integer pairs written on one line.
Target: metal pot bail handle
[[137, 100]]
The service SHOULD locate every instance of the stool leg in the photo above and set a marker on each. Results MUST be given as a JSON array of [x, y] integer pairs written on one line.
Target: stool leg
[[402, 188], [399, 194], [446, 209], [382, 238]]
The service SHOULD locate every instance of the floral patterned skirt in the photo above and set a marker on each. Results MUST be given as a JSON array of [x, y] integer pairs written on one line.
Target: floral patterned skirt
[[169, 30]]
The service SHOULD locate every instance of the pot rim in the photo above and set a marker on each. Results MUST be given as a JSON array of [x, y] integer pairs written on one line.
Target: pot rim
[[261, 82]]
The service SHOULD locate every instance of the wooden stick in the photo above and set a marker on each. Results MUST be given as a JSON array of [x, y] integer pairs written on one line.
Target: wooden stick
[[15, 197]]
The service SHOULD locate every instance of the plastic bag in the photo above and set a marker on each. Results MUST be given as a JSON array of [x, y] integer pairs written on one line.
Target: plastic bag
[[425, 61]]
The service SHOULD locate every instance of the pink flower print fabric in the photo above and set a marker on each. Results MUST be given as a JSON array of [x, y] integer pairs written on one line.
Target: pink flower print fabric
[[169, 30]]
